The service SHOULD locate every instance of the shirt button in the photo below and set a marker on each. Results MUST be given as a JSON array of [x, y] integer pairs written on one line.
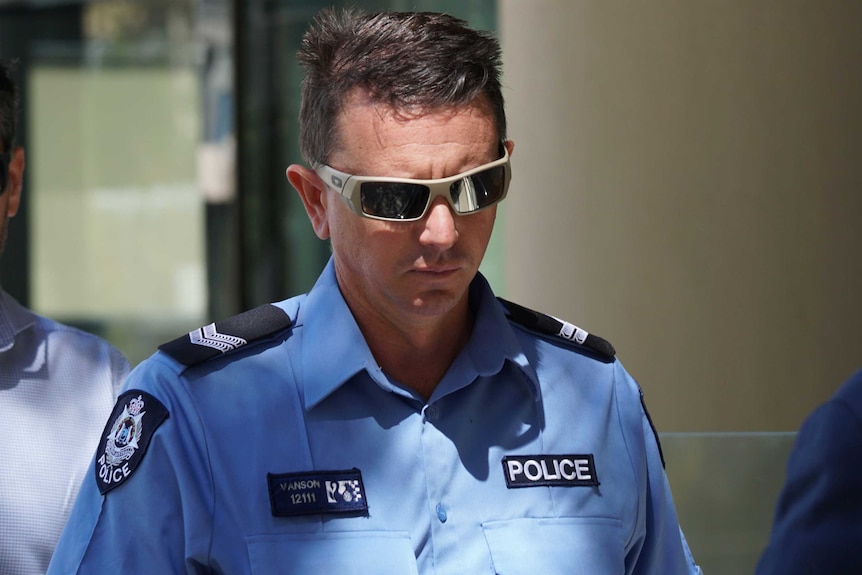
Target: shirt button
[[441, 514]]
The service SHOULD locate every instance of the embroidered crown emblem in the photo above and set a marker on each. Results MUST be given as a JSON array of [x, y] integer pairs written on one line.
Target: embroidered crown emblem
[[136, 405], [122, 439]]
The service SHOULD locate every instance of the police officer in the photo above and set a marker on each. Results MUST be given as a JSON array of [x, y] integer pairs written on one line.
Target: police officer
[[398, 418]]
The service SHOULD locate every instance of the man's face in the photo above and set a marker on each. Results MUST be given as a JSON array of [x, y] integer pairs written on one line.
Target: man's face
[[409, 272]]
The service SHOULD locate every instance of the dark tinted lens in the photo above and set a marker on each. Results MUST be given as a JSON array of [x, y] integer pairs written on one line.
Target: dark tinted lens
[[479, 190], [393, 200]]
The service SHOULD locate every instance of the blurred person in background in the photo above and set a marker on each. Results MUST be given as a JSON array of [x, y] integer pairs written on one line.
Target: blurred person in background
[[818, 518], [57, 385], [399, 418]]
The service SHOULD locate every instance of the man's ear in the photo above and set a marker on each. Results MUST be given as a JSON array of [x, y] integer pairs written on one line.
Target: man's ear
[[15, 183], [313, 192]]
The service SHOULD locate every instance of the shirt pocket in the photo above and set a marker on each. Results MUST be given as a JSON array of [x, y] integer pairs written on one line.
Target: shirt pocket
[[342, 552], [565, 545]]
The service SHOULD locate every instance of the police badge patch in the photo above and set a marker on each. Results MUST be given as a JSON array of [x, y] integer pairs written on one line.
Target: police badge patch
[[127, 434]]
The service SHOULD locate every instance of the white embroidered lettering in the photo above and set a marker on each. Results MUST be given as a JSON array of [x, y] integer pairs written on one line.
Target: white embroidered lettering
[[515, 468], [583, 469], [546, 475], [553, 470], [536, 473]]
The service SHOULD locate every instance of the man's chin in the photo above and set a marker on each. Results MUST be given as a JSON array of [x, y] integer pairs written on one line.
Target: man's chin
[[435, 303]]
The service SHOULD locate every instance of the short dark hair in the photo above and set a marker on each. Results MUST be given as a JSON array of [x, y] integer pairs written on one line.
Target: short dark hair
[[406, 60], [9, 102]]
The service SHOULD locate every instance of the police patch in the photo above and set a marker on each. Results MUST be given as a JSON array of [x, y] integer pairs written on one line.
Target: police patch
[[127, 434], [310, 492], [552, 470]]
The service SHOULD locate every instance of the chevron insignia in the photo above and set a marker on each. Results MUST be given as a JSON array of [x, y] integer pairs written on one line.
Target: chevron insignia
[[226, 336], [209, 336], [549, 326], [572, 332]]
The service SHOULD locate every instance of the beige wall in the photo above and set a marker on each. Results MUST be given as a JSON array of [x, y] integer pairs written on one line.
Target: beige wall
[[688, 184]]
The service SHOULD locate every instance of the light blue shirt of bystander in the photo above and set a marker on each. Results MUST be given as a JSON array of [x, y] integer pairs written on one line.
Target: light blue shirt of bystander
[[57, 385]]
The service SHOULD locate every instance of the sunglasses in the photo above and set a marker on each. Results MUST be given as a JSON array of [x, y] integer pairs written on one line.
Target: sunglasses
[[4, 171], [406, 200]]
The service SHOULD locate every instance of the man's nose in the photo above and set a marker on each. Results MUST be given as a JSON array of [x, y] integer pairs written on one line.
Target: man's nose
[[439, 225]]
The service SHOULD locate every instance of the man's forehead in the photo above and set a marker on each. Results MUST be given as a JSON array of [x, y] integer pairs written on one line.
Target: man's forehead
[[413, 158], [365, 125]]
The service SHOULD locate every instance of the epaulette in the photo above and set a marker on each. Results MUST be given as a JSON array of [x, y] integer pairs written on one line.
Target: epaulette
[[227, 335], [550, 326]]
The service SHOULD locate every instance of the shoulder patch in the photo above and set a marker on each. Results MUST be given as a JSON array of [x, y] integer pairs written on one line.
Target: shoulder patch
[[127, 435], [550, 326], [227, 335]]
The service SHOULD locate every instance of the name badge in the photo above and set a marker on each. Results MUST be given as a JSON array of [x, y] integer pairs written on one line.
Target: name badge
[[310, 492], [553, 470]]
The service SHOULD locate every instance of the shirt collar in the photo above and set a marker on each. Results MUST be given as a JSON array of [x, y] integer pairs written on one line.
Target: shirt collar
[[334, 350], [14, 318], [492, 343]]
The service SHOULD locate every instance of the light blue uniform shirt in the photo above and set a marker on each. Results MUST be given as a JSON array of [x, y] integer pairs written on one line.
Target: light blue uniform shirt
[[310, 406], [57, 385]]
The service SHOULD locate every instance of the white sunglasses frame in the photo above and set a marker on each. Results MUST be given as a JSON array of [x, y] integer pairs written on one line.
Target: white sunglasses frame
[[349, 187]]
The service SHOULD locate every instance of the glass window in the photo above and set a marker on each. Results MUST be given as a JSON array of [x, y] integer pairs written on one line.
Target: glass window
[[115, 223]]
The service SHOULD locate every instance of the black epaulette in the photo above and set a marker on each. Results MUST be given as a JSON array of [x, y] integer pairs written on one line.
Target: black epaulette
[[550, 326], [227, 335]]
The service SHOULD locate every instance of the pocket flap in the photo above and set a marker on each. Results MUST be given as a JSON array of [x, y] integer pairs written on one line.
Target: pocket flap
[[342, 552], [570, 545]]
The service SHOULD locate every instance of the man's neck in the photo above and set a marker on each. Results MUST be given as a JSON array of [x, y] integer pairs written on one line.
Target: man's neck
[[418, 356]]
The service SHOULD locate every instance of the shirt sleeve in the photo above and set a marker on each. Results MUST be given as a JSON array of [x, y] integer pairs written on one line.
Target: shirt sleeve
[[817, 519], [120, 369], [660, 547], [158, 519]]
